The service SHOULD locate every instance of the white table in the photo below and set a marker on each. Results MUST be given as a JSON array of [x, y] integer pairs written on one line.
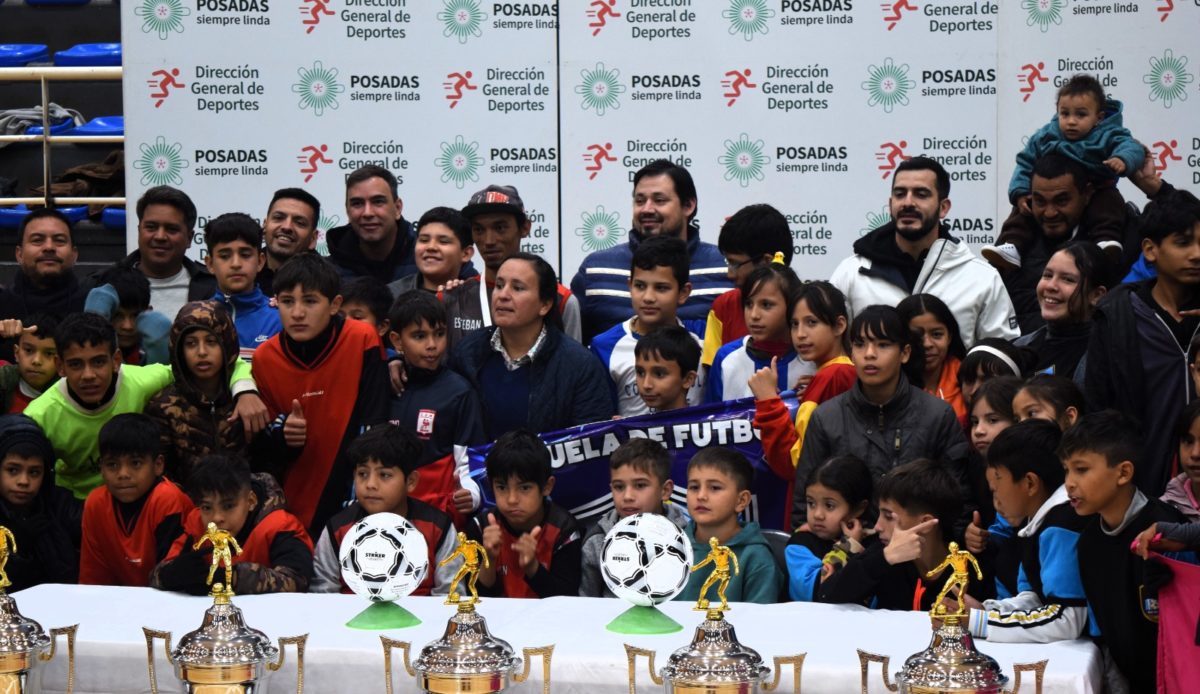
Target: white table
[[111, 651]]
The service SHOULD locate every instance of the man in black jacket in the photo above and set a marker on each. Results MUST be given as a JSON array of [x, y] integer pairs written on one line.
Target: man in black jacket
[[45, 281], [378, 241]]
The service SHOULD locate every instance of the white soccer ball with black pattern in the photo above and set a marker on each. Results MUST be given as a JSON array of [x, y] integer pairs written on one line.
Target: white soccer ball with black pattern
[[383, 557], [646, 559]]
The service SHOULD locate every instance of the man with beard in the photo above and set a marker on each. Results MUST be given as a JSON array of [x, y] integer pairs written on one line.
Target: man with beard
[[664, 202], [45, 282], [290, 227], [378, 241], [915, 254]]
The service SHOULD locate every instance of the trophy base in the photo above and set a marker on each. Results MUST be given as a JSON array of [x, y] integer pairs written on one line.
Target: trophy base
[[643, 620], [383, 615]]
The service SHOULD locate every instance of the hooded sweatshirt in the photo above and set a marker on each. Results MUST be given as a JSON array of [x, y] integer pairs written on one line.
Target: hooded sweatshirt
[[348, 258], [592, 583], [276, 556], [880, 273], [254, 317], [1179, 494], [759, 578], [193, 425]]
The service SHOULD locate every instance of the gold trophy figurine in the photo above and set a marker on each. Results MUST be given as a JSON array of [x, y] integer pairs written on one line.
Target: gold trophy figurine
[[951, 664], [471, 552], [221, 540], [720, 557], [8, 543], [960, 562]]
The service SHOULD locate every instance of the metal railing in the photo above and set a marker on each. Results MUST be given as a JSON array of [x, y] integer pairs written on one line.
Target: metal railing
[[43, 76]]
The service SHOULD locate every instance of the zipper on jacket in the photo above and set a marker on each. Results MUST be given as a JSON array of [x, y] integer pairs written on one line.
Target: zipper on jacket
[[212, 415]]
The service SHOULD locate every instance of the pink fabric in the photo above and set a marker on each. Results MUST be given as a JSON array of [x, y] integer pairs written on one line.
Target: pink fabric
[[1178, 613]]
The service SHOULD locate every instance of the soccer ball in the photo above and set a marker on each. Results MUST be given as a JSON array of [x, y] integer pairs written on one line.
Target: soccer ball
[[646, 559], [383, 557]]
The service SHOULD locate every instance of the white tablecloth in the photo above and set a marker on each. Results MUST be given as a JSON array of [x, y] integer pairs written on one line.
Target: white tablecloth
[[111, 652]]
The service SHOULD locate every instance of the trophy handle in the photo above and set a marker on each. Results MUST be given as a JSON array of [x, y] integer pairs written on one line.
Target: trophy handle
[[69, 632], [1039, 674], [299, 642], [152, 634], [529, 654], [388, 645], [632, 652], [797, 663], [865, 659]]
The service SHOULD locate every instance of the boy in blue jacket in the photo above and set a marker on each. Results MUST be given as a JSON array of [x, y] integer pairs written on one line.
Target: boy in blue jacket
[[235, 258]]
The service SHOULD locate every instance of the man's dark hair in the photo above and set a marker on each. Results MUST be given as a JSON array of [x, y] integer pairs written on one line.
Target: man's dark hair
[[223, 475], [1029, 446], [370, 171], [166, 195], [132, 433], [757, 231], [389, 445], [1078, 85], [452, 218], [303, 196], [1054, 165], [46, 325], [369, 291], [728, 462], [311, 272], [41, 213], [132, 287], [521, 454], [233, 226], [924, 486], [414, 307], [1170, 212], [685, 187], [643, 455], [924, 163], [670, 343], [82, 329], [662, 251], [1108, 433]]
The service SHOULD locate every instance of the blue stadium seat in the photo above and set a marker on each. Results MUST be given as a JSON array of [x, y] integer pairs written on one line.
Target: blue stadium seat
[[113, 218], [22, 54], [89, 54], [10, 217], [60, 128], [102, 125], [56, 2]]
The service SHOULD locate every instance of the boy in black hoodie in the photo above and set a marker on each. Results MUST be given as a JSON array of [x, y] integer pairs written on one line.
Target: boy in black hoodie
[[43, 517], [437, 404]]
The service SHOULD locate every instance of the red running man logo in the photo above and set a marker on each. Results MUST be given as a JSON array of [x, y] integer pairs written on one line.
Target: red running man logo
[[315, 9], [455, 84], [160, 88], [893, 12], [1031, 75], [1165, 8], [733, 85], [891, 154], [603, 10], [310, 158], [598, 154], [1164, 152]]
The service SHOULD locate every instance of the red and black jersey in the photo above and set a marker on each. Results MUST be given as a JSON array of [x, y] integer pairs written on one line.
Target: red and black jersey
[[341, 382], [123, 542], [559, 551], [432, 523]]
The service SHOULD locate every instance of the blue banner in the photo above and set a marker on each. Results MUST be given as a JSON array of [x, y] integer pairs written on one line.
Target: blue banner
[[579, 457]]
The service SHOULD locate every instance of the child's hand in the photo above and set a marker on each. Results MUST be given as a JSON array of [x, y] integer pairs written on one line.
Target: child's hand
[[1025, 204], [526, 549], [463, 503], [801, 384], [971, 603], [492, 538], [253, 412], [452, 284], [762, 383], [906, 545], [854, 529], [976, 535], [1150, 540], [398, 375], [295, 427], [1115, 163], [12, 328]]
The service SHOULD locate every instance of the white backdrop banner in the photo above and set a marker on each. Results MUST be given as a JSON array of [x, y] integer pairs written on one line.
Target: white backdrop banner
[[805, 104]]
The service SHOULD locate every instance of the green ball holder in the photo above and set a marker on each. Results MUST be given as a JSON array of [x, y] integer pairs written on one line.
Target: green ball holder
[[380, 616], [643, 620]]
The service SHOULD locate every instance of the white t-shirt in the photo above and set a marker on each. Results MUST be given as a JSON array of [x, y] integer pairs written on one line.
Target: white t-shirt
[[169, 294]]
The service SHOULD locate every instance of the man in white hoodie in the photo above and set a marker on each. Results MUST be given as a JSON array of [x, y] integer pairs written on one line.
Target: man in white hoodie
[[915, 254]]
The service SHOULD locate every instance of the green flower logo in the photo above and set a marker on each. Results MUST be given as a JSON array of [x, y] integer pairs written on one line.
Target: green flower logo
[[459, 161], [599, 230], [744, 160], [324, 224], [748, 17], [1043, 13], [318, 88], [462, 19], [888, 84], [600, 89], [161, 163], [1168, 78], [162, 16], [875, 220]]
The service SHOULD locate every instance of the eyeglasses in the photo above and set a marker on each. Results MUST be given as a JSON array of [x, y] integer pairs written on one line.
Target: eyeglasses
[[733, 267]]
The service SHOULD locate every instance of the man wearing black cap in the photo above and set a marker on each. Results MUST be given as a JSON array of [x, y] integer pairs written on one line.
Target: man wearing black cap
[[498, 223]]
